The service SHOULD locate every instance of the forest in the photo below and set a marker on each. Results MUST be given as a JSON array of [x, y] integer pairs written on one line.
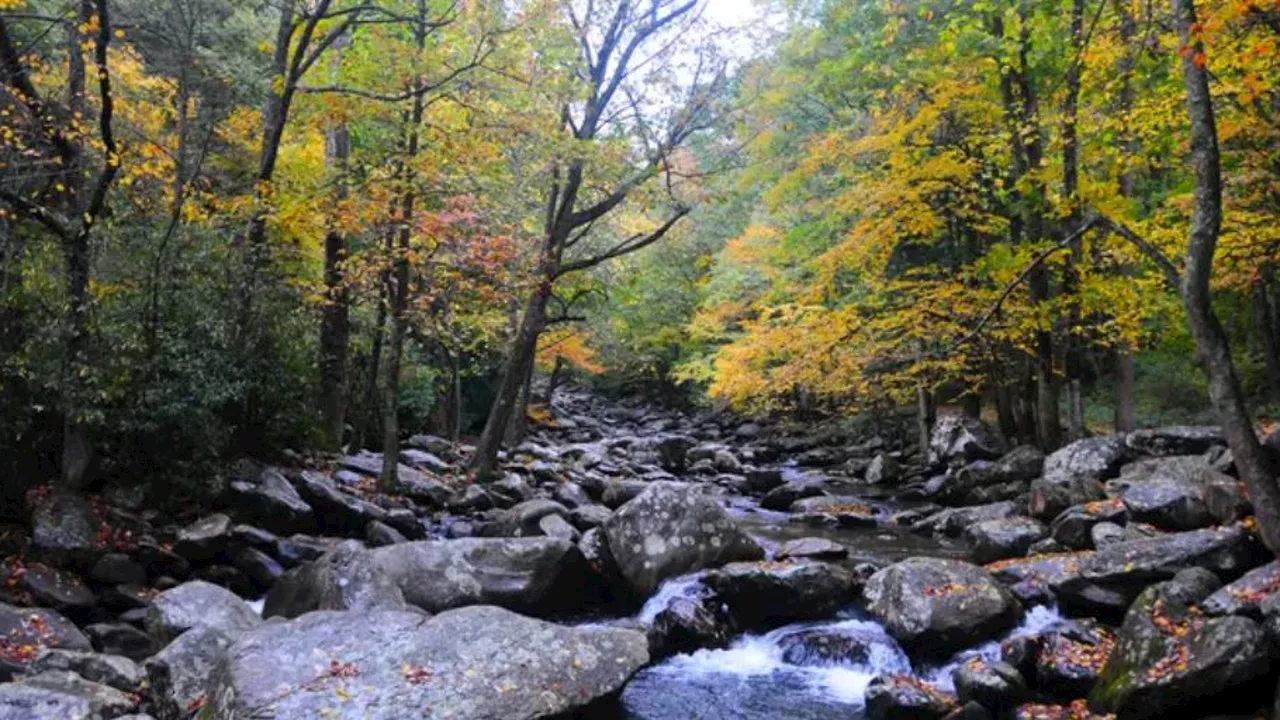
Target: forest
[[291, 289]]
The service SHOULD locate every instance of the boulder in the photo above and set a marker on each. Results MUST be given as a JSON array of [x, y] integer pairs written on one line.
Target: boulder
[[522, 520], [670, 530], [1110, 579], [520, 573], [380, 534], [775, 593], [1167, 504], [348, 578], [26, 631], [936, 607], [986, 481], [117, 569], [1036, 579], [103, 701], [121, 639], [672, 451], [1168, 659], [841, 645], [955, 521], [472, 663], [1106, 533], [1073, 474], [1072, 528], [995, 685], [906, 697], [1246, 595], [198, 604], [589, 516], [114, 671], [763, 480], [202, 539], [50, 587], [831, 509], [1008, 537], [783, 496], [270, 502], [336, 511], [1175, 440], [958, 439], [687, 624], [21, 701], [1071, 657], [405, 522], [620, 492], [179, 674]]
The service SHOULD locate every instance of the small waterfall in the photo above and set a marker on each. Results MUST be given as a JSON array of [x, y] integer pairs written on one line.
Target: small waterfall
[[256, 605], [1037, 620], [685, 586]]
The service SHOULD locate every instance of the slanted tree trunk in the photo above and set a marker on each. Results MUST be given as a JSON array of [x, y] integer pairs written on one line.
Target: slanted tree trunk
[[1212, 350], [553, 381]]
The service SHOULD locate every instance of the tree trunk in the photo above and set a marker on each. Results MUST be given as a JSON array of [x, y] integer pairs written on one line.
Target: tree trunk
[[1070, 185], [1125, 415], [335, 321], [553, 380], [398, 290], [1212, 350], [924, 420], [484, 463]]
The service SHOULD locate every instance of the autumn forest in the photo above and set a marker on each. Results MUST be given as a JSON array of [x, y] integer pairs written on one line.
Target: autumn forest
[[481, 238]]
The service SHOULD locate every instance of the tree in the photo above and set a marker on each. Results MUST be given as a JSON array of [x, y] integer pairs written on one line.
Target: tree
[[611, 38]]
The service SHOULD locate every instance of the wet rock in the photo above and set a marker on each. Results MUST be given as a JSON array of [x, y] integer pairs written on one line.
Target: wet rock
[[687, 624], [520, 573], [51, 587], [198, 604], [670, 530], [814, 548], [905, 697], [179, 674], [121, 639], [103, 701], [1071, 658], [1168, 658], [348, 578], [114, 671], [469, 664], [774, 593], [1246, 595], [994, 685], [336, 511], [1175, 440], [271, 502], [839, 646], [259, 567], [986, 481], [1073, 527], [829, 509], [1076, 711], [939, 606], [1112, 578], [1037, 579], [959, 439], [999, 539]]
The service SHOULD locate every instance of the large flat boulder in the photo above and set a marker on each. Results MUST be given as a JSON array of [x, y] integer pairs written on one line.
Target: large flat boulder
[[519, 573], [767, 593], [673, 529], [474, 663], [937, 606], [198, 604], [347, 578]]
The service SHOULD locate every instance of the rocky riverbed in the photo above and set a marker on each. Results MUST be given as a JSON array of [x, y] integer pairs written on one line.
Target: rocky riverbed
[[640, 563]]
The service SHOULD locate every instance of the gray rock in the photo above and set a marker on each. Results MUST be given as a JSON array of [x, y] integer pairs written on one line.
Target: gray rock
[[117, 569], [995, 685], [986, 481], [1071, 657], [939, 606], [815, 548], [380, 534], [1175, 440], [1110, 579], [670, 530], [620, 492], [519, 573], [904, 697], [687, 624], [19, 701], [1073, 526], [115, 671], [883, 469], [557, 527], [761, 594], [337, 512], [1005, 538], [763, 480], [672, 451], [348, 578], [63, 527], [271, 502], [103, 701], [474, 663], [955, 521], [198, 604], [1247, 595], [179, 674], [522, 520], [121, 639], [1073, 474], [51, 587], [1105, 533], [959, 439], [202, 539], [588, 516], [36, 628], [258, 566], [406, 523], [1167, 659], [784, 496]]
